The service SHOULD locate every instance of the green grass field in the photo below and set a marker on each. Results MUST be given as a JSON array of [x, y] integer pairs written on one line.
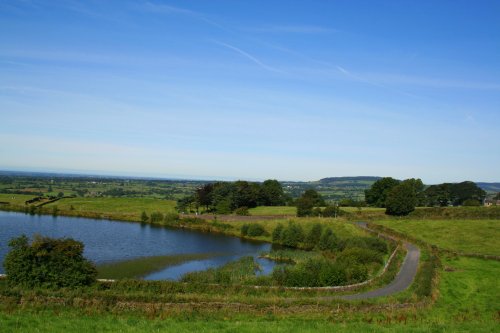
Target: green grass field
[[276, 210], [468, 297], [15, 199], [465, 236], [468, 302], [126, 208]]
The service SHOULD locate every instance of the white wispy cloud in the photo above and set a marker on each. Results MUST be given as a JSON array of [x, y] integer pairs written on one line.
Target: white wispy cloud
[[174, 10], [248, 56]]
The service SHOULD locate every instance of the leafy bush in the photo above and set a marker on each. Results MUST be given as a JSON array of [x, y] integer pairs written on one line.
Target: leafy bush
[[356, 273], [48, 262], [332, 275], [252, 230], [304, 206], [358, 255], [171, 217], [328, 241], [331, 211], [244, 229], [156, 217], [311, 273], [471, 203], [313, 236], [242, 211], [376, 244], [276, 236], [256, 229], [292, 235]]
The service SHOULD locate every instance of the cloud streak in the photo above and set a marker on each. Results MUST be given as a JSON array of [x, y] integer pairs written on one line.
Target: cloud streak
[[174, 10], [248, 56]]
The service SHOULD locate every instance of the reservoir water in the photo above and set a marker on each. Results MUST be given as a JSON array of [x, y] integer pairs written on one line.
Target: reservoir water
[[110, 241]]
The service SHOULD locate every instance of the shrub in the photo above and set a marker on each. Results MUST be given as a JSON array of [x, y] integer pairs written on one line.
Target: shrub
[[376, 244], [255, 229], [276, 236], [244, 229], [332, 275], [357, 255], [144, 217], [156, 217], [242, 211], [328, 241], [171, 217], [304, 206], [356, 273], [313, 236], [331, 211], [316, 212], [292, 235], [313, 273], [48, 262], [471, 203]]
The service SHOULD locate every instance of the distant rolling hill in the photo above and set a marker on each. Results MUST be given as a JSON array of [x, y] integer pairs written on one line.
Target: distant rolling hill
[[334, 188], [490, 187], [337, 188]]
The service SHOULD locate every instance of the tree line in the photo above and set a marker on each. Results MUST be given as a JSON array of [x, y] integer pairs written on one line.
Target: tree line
[[226, 197], [401, 197]]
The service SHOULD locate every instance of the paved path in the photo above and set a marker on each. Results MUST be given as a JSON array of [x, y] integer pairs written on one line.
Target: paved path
[[402, 281]]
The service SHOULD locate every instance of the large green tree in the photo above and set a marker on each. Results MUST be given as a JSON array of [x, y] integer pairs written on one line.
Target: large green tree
[[271, 193], [306, 203], [401, 199], [377, 194], [453, 194]]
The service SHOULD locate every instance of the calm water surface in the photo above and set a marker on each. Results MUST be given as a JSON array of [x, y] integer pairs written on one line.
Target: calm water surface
[[110, 241]]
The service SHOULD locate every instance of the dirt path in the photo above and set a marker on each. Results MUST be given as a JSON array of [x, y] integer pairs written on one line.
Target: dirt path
[[402, 281], [229, 218]]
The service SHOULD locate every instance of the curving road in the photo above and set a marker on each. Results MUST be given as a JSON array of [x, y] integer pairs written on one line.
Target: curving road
[[402, 281]]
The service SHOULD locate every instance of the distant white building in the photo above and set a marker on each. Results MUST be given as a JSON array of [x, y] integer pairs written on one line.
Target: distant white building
[[491, 202]]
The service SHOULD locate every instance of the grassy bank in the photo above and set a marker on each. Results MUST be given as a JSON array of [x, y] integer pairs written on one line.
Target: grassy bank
[[126, 209], [273, 210], [467, 302], [140, 267]]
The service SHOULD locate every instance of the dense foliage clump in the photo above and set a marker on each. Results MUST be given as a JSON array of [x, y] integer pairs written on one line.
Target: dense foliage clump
[[48, 262], [252, 230], [226, 197]]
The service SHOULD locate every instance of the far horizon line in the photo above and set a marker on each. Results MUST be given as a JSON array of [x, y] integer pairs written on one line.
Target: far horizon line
[[96, 174]]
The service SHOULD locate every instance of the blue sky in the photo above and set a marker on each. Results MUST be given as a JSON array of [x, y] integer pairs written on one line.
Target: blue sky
[[293, 90]]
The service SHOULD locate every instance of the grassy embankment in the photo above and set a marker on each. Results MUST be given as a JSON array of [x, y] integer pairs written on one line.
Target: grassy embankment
[[467, 302], [140, 267]]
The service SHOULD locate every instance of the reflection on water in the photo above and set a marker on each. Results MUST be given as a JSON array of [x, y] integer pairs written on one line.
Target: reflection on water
[[110, 241], [176, 272]]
